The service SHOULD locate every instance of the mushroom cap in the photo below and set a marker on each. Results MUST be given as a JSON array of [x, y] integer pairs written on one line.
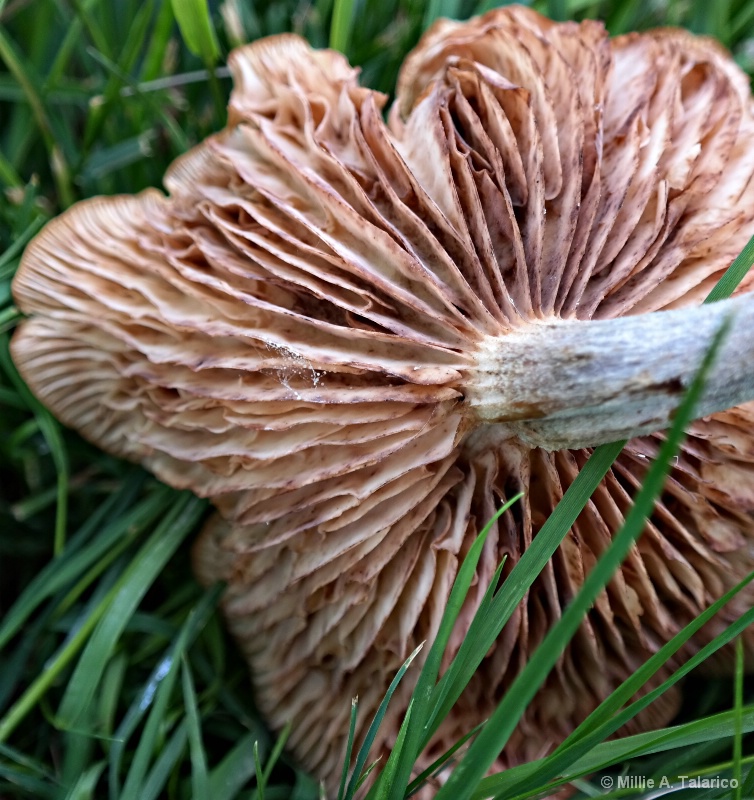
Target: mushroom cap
[[328, 327]]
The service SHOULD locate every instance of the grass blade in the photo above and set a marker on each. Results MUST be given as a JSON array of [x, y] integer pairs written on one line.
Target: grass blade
[[234, 771], [18, 245], [439, 763], [199, 777], [164, 764], [738, 705], [196, 27], [349, 747], [388, 786], [441, 8], [342, 22], [735, 273], [367, 772], [86, 784], [50, 428], [263, 774], [748, 787], [426, 706], [363, 753]]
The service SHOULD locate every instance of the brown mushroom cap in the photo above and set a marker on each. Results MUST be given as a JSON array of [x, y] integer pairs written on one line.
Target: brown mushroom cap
[[358, 338]]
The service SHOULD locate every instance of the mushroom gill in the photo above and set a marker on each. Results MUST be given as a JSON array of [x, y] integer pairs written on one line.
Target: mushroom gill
[[357, 338]]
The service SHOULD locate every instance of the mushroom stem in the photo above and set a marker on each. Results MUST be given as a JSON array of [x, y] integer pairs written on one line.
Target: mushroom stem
[[569, 384]]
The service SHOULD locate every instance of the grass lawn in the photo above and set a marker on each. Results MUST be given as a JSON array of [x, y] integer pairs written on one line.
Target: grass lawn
[[117, 678]]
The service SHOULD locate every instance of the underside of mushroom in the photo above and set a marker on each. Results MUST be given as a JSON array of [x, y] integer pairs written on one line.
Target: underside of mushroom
[[360, 337]]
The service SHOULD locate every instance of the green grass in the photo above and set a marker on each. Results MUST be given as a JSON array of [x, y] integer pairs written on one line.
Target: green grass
[[117, 679]]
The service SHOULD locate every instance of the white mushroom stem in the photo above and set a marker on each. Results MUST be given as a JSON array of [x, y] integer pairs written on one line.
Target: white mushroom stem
[[569, 384]]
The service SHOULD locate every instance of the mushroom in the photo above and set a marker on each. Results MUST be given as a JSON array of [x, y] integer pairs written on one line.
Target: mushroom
[[358, 337]]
